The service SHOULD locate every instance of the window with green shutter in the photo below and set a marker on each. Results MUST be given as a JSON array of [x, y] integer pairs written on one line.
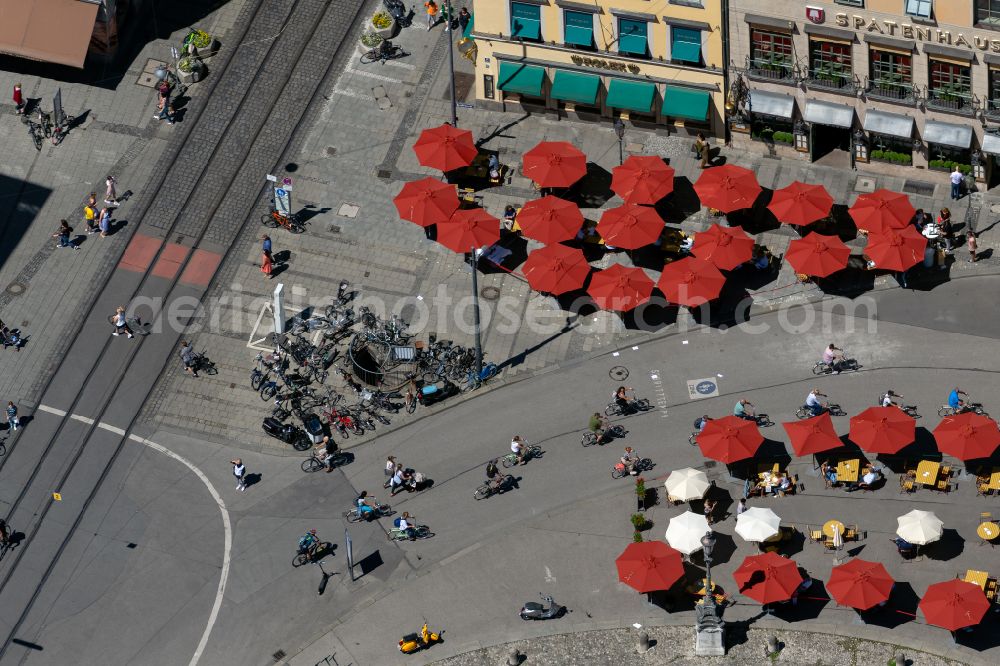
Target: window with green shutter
[[525, 21], [632, 37], [685, 45], [579, 28]]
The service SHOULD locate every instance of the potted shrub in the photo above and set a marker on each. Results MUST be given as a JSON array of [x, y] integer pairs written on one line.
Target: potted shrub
[[204, 44], [638, 522], [637, 536], [191, 69], [383, 25], [368, 41]]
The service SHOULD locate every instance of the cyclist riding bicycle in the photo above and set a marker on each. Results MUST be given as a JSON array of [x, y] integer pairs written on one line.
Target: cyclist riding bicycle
[[744, 410], [406, 525], [887, 399], [493, 475], [621, 398], [309, 543], [956, 403], [814, 404], [701, 422], [833, 356], [519, 448], [366, 505], [629, 459]]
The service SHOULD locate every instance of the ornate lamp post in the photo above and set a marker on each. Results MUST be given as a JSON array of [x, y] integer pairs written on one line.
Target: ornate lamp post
[[710, 630]]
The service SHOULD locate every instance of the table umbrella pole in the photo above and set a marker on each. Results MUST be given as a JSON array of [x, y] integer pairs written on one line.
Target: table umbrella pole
[[475, 315]]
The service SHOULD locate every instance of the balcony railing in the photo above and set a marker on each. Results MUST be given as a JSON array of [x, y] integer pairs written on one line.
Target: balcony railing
[[891, 91], [993, 108], [772, 69], [950, 100]]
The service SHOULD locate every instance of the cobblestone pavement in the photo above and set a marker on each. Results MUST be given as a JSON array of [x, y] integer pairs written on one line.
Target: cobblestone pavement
[[355, 158], [675, 645]]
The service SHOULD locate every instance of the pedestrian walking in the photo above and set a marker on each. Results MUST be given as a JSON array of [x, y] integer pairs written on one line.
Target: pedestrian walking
[[120, 322], [709, 509], [104, 223], [463, 19], [266, 265], [701, 147], [240, 472], [18, 99], [110, 195], [970, 240], [432, 14], [446, 17], [187, 358], [947, 230], [13, 423], [90, 214], [956, 183], [163, 92], [741, 506], [63, 235]]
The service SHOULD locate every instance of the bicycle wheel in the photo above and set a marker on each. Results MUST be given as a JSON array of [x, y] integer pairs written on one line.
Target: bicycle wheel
[[37, 140], [268, 391], [534, 451], [300, 559], [643, 405], [310, 464], [352, 516], [819, 369], [256, 379], [612, 410], [509, 461], [423, 532], [208, 368], [370, 57], [617, 473], [693, 439], [269, 221], [295, 226], [482, 492], [588, 439], [802, 413]]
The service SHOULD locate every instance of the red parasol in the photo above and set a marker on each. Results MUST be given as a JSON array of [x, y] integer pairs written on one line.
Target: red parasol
[[469, 228], [817, 255], [555, 164], [550, 219], [954, 604], [812, 435], [727, 188], [445, 148], [642, 179], [883, 429], [426, 201], [882, 210], [620, 288], [896, 250], [967, 436], [800, 203], [691, 281], [556, 269], [768, 578], [860, 584], [649, 566], [630, 226], [726, 247], [729, 439]]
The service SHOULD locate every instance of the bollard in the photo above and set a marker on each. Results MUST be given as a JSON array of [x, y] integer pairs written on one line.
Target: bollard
[[900, 659], [514, 659], [642, 647], [772, 645]]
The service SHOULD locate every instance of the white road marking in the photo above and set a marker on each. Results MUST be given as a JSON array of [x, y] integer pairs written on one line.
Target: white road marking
[[51, 410], [227, 526], [549, 578], [451, 558], [84, 419], [114, 429]]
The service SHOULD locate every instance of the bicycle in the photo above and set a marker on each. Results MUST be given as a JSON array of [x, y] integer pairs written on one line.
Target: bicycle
[[975, 407], [315, 461], [489, 489], [833, 409], [201, 363], [378, 511], [275, 219], [590, 437], [634, 406], [474, 380], [314, 554], [263, 370], [384, 51], [35, 131], [419, 532], [533, 451], [59, 131], [618, 470]]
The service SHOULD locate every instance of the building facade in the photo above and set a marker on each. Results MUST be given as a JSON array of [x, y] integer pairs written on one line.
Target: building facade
[[877, 83], [657, 64]]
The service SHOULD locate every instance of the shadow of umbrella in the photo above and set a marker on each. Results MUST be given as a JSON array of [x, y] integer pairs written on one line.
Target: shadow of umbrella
[[984, 636], [756, 220], [518, 246], [924, 447], [593, 190], [681, 204], [811, 602], [849, 282], [900, 609], [725, 548], [653, 315], [731, 308], [948, 547]]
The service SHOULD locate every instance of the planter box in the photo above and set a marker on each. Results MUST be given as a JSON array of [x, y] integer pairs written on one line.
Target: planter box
[[384, 33], [194, 76], [362, 49]]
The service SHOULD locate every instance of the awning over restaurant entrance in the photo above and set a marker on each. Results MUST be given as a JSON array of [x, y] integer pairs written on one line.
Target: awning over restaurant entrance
[[631, 95], [991, 144], [56, 31], [684, 103], [523, 79], [827, 113], [573, 87], [892, 124], [947, 134], [771, 104]]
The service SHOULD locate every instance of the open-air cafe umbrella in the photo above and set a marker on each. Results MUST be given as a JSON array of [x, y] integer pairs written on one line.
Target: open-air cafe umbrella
[[727, 188], [954, 604], [817, 255], [883, 429], [967, 436], [813, 435], [882, 210], [725, 247], [684, 532], [550, 219], [630, 226], [642, 179], [686, 484], [859, 584], [556, 269], [800, 203], [467, 229], [426, 201], [768, 578], [445, 148], [555, 164], [691, 281], [649, 566], [919, 527], [758, 524], [896, 249], [620, 288], [729, 439]]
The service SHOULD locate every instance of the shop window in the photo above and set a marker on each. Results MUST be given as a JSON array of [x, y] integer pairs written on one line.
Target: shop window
[[632, 38], [685, 45], [945, 158], [525, 22], [771, 55], [993, 103], [769, 129], [891, 76], [950, 86], [919, 8], [892, 149], [830, 65]]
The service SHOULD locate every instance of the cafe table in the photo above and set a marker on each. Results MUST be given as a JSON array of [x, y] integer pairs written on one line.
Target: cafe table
[[994, 483], [847, 471], [927, 472], [831, 525], [977, 577], [988, 531]]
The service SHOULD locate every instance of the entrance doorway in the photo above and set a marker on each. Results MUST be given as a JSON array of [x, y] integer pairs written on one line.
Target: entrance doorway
[[830, 145]]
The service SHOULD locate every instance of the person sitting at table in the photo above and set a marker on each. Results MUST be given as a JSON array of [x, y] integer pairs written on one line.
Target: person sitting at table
[[509, 216], [828, 472], [784, 486], [870, 478], [687, 243], [918, 219], [493, 165], [903, 546]]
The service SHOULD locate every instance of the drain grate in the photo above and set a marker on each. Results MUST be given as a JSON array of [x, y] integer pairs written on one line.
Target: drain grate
[[619, 373], [279, 655], [919, 187], [384, 174]]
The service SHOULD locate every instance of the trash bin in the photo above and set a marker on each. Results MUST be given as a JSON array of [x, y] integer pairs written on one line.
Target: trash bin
[[314, 428]]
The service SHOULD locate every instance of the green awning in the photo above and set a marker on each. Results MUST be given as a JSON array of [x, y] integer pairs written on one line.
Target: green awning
[[685, 44], [632, 37], [631, 95], [525, 21], [573, 87], [579, 28], [684, 103], [524, 79]]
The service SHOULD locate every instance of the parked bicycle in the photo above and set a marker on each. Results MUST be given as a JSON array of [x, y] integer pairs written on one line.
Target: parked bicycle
[[275, 219], [474, 380], [386, 50]]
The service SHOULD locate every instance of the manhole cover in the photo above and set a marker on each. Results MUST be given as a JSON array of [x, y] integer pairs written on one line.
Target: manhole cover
[[384, 103], [919, 188], [384, 174], [148, 78], [619, 373], [378, 91], [490, 293], [15, 288], [349, 210], [864, 185]]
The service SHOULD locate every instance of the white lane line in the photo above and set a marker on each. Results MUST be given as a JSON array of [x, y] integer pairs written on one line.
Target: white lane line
[[337, 90], [51, 410], [106, 426], [377, 77], [84, 419], [224, 575]]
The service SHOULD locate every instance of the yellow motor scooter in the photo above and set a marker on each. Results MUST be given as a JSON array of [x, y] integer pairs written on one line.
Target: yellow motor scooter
[[411, 643]]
